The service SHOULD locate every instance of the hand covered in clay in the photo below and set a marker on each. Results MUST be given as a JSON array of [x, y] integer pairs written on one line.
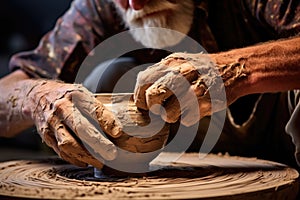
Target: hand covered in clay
[[66, 117], [186, 86]]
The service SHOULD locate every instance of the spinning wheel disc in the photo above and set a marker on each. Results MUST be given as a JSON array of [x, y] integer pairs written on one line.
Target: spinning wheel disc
[[214, 177]]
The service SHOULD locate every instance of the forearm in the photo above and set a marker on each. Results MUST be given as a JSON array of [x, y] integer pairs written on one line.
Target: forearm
[[268, 67], [12, 120]]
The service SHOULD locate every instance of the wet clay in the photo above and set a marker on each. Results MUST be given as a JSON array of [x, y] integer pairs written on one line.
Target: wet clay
[[140, 132], [178, 177]]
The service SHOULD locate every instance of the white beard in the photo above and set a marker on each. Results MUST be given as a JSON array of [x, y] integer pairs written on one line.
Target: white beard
[[167, 27]]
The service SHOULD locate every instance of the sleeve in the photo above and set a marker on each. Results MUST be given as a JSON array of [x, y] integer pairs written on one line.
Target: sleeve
[[282, 16], [62, 50]]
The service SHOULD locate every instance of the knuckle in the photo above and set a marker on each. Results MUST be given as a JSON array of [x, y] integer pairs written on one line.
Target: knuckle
[[141, 75], [58, 104]]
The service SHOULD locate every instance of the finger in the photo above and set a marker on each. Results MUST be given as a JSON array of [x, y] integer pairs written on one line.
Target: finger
[[171, 84], [174, 62], [178, 79], [172, 110], [185, 106], [197, 107], [53, 124], [84, 129], [49, 138], [144, 80], [68, 145], [184, 64], [71, 159], [139, 95], [192, 112], [68, 148], [47, 128], [42, 125], [90, 106]]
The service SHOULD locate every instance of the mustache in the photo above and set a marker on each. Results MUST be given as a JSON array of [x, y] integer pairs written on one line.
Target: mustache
[[153, 6]]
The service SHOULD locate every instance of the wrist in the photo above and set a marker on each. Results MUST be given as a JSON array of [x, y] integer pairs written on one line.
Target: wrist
[[234, 73], [28, 104], [269, 67]]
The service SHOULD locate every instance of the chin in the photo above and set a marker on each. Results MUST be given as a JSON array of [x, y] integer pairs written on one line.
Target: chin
[[160, 23]]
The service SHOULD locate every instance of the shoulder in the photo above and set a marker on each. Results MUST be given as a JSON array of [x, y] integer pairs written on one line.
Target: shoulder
[[99, 14]]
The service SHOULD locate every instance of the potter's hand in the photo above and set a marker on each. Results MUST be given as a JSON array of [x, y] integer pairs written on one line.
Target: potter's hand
[[182, 84], [66, 116]]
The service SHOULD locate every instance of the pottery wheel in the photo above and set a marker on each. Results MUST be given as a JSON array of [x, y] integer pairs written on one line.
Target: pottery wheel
[[178, 177]]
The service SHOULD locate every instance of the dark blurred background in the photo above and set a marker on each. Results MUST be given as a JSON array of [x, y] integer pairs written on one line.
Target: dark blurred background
[[23, 23]]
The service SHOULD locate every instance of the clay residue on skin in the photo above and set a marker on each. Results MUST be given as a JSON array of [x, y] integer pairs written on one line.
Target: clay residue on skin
[[181, 76], [54, 179], [135, 136]]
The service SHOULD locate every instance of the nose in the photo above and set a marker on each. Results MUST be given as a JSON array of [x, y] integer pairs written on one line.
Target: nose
[[137, 4], [133, 4]]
